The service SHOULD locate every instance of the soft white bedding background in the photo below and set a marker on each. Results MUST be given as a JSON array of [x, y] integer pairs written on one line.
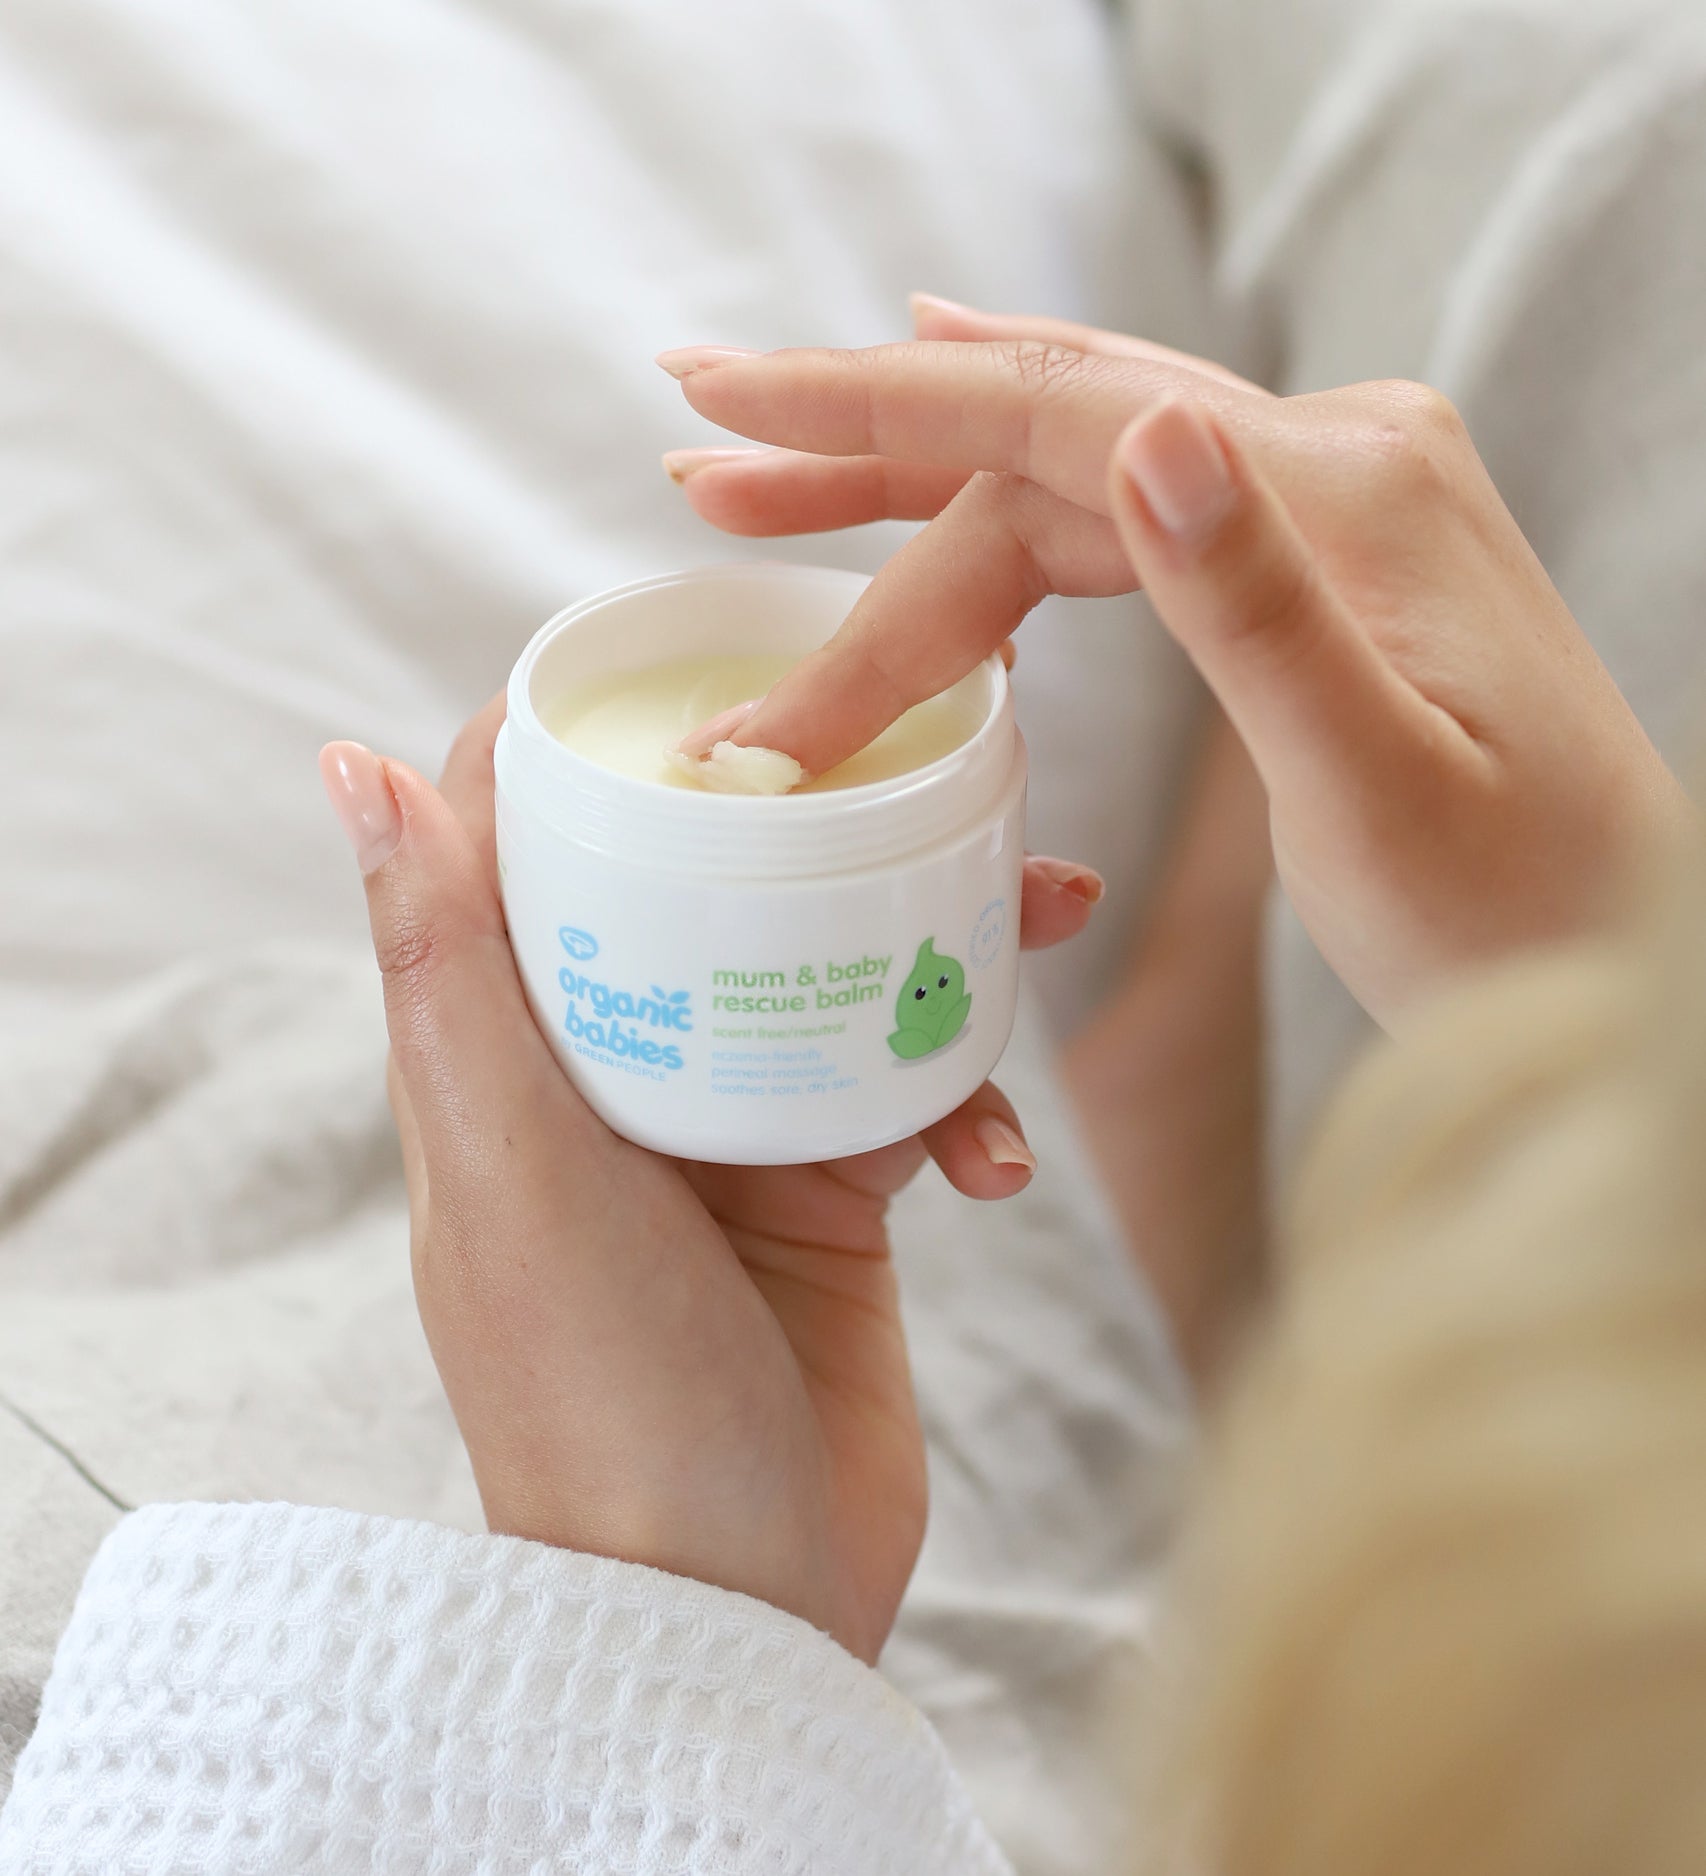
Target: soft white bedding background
[[325, 376], [328, 370], [325, 339]]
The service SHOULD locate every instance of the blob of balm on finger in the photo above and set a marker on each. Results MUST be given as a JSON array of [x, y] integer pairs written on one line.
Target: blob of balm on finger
[[631, 722]]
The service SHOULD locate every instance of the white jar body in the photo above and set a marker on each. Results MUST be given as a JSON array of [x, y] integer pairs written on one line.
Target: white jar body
[[770, 1021]]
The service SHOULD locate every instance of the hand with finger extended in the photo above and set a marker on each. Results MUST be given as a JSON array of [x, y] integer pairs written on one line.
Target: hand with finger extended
[[935, 431], [1451, 772]]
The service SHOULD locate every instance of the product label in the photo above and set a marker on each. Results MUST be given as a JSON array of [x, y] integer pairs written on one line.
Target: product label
[[767, 1031], [768, 1024]]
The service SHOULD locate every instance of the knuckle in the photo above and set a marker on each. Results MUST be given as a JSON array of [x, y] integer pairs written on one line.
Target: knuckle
[[1415, 432], [1012, 500], [1043, 367], [1000, 490], [1423, 408], [407, 950]]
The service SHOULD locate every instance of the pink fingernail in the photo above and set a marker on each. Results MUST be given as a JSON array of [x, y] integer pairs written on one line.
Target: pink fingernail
[[679, 464], [1003, 1145], [687, 359], [934, 303], [701, 741], [1070, 877], [361, 798], [1180, 470]]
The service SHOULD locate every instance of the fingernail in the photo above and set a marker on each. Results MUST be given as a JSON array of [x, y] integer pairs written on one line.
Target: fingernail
[[1180, 470], [934, 302], [687, 359], [1003, 1145], [1070, 877], [701, 741], [361, 798], [679, 464]]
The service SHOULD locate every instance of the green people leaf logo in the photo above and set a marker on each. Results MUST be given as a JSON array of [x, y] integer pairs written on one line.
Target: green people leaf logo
[[932, 1007]]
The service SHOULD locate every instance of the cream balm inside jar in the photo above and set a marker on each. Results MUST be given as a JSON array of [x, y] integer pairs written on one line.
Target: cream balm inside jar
[[754, 979]]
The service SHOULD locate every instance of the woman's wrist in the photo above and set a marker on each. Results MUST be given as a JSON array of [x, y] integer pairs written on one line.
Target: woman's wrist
[[1166, 1073]]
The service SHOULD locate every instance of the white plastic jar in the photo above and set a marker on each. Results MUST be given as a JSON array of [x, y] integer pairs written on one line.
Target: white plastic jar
[[757, 980]]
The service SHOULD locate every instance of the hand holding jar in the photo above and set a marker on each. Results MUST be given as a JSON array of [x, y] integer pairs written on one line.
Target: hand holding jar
[[695, 1366]]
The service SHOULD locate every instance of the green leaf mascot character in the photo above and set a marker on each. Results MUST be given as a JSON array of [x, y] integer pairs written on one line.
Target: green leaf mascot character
[[932, 1006]]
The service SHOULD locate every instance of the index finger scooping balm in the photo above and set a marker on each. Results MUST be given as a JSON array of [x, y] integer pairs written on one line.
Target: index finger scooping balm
[[749, 978]]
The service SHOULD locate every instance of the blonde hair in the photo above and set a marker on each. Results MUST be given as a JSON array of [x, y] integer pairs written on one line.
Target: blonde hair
[[1442, 1606]]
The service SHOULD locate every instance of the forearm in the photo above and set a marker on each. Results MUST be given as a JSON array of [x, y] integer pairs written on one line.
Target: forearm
[[1167, 1073]]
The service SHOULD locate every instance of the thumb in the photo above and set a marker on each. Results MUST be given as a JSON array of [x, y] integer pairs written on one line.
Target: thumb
[[1233, 579], [475, 1070]]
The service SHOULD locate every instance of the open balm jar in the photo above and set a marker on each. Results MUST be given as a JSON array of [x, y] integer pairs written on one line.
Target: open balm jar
[[754, 979]]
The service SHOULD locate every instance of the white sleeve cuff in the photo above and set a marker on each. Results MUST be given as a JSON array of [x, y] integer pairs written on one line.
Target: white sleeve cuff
[[268, 1688]]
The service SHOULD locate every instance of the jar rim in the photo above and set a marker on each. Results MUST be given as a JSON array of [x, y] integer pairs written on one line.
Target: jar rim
[[757, 836]]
